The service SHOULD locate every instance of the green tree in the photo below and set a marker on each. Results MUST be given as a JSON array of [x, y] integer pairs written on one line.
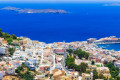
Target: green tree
[[20, 68], [114, 71], [27, 75], [24, 65], [0, 30], [83, 67], [86, 55], [11, 50], [81, 54], [77, 67], [118, 77], [51, 76], [95, 74], [70, 62], [1, 34], [88, 71], [14, 37], [101, 76], [9, 40], [6, 35], [70, 51], [77, 51], [111, 78], [93, 62]]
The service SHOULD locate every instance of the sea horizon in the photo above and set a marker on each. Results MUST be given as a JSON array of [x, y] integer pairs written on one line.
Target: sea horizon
[[85, 20]]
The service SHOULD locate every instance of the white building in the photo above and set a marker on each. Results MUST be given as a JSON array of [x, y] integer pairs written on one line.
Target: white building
[[3, 50], [31, 63], [1, 74], [10, 69]]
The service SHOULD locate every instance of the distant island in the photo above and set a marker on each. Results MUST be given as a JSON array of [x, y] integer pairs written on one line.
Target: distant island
[[115, 4], [26, 10]]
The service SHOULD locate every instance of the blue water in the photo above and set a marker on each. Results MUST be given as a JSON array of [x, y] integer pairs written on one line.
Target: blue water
[[115, 47], [86, 20]]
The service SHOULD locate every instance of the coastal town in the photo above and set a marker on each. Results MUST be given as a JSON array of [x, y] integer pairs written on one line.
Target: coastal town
[[24, 59]]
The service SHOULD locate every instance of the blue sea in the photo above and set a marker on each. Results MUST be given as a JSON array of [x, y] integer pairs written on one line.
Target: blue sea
[[115, 47], [85, 20]]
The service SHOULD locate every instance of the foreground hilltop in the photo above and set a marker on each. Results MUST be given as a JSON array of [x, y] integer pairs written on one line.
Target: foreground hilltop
[[26, 10]]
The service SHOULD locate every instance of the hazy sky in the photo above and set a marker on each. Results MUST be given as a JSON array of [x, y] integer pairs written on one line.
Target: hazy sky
[[59, 0]]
